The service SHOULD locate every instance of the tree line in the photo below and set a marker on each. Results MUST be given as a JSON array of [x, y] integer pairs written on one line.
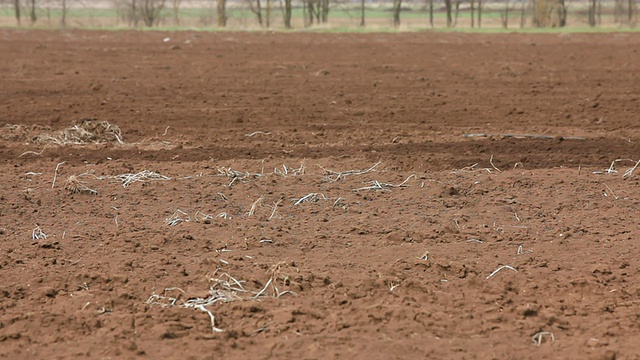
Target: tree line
[[535, 13]]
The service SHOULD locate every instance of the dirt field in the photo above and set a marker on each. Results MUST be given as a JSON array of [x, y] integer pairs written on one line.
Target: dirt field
[[316, 195]]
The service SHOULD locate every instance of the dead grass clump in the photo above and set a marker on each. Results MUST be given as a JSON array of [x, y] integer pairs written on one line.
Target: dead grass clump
[[224, 289], [237, 175], [76, 186], [11, 132], [19, 132], [85, 131]]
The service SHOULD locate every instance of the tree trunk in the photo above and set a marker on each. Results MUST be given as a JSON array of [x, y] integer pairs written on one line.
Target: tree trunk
[[616, 11], [63, 20], [479, 13], [151, 11], [562, 13], [397, 6], [176, 11], [455, 16], [523, 19], [222, 13], [304, 14], [431, 13], [33, 15], [448, 5], [287, 14], [309, 6], [16, 5], [257, 10], [473, 13], [325, 11], [267, 14], [592, 13], [505, 15], [362, 2]]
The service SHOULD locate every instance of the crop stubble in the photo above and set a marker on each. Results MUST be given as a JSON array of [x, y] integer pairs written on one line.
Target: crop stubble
[[327, 176]]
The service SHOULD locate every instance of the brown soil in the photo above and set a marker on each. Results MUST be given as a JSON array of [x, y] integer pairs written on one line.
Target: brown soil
[[218, 115]]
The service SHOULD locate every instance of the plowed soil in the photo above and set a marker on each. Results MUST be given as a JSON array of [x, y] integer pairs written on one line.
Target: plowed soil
[[319, 196]]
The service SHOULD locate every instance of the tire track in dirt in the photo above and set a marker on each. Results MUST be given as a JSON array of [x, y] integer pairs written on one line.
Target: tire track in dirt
[[532, 153]]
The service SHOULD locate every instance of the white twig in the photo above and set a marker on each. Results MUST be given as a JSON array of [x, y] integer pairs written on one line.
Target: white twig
[[275, 207], [537, 338], [263, 289], [257, 133], [178, 217], [630, 171], [33, 152], [38, 234], [252, 210], [289, 171], [145, 175], [385, 186], [611, 191], [500, 268], [311, 197], [612, 170], [200, 216], [331, 176], [55, 174], [236, 175], [491, 162]]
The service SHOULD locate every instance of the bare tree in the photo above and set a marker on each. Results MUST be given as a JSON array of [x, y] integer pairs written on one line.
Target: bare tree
[[448, 4], [324, 10], [256, 8], [16, 8], [175, 5], [592, 13], [504, 16], [286, 14], [63, 20], [312, 12], [150, 11], [222, 13], [549, 13], [397, 7], [623, 12], [617, 11], [32, 11], [561, 8], [267, 14], [473, 14], [457, 12]]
